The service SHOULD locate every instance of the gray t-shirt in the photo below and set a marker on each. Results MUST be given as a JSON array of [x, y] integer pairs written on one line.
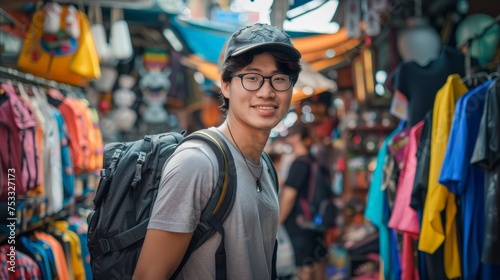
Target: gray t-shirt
[[250, 229]]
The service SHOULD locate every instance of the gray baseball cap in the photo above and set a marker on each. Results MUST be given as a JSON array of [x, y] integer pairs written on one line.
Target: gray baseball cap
[[260, 35]]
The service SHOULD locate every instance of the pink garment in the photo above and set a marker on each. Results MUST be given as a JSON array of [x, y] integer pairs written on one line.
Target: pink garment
[[403, 217]]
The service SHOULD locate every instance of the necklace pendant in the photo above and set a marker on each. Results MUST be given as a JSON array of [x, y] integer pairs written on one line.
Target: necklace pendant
[[259, 187]]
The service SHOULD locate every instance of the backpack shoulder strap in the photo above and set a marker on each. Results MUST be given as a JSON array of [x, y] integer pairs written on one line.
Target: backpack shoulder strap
[[271, 169], [274, 175], [220, 203]]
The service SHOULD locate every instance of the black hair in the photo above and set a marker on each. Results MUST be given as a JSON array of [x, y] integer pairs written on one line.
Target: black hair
[[284, 63]]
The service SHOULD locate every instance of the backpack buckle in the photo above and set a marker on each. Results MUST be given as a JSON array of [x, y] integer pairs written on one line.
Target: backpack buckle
[[103, 173], [117, 153], [142, 158], [105, 247], [138, 169]]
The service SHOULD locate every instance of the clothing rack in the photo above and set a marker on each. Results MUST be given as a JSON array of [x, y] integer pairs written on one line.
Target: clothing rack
[[9, 73]]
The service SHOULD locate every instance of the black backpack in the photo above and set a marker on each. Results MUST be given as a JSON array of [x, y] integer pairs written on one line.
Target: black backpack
[[127, 191], [317, 209]]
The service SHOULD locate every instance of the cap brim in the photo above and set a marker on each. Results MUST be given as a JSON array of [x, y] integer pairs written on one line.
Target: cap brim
[[280, 47]]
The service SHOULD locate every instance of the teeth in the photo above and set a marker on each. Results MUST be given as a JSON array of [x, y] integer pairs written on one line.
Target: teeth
[[265, 107]]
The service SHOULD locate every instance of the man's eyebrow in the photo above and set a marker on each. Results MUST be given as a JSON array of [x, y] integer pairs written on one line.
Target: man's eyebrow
[[253, 69]]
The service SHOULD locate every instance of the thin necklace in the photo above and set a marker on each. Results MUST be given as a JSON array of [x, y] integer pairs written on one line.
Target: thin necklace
[[257, 179]]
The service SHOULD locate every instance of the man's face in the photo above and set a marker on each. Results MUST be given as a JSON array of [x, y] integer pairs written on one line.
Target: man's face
[[263, 108]]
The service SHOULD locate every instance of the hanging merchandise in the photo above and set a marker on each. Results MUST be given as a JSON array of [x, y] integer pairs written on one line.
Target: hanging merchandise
[[121, 43], [371, 18], [19, 150], [123, 115], [98, 31], [59, 46], [154, 85], [107, 80]]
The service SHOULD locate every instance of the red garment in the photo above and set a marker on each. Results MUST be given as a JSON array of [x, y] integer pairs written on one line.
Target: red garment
[[25, 267]]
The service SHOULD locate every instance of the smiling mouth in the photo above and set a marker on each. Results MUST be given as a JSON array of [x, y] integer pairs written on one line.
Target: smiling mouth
[[265, 107]]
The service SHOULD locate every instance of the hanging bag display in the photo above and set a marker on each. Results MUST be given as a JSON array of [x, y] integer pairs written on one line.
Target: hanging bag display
[[121, 43], [59, 46], [99, 34]]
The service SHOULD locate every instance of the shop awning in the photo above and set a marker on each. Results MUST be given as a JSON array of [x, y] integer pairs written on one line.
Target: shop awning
[[320, 50]]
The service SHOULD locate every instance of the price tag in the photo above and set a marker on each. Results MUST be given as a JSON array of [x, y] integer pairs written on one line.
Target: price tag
[[399, 105]]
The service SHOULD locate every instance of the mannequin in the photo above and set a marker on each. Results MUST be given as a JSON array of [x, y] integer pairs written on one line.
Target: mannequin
[[482, 48], [419, 42]]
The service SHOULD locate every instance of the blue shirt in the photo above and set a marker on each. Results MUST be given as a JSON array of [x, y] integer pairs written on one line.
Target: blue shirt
[[40, 256], [66, 161], [467, 181], [377, 211]]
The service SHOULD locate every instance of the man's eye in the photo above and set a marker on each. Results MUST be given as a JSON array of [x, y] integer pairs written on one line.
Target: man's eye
[[280, 79], [252, 78]]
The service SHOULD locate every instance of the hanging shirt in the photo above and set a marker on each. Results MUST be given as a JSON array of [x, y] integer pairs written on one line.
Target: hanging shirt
[[39, 256], [68, 176], [76, 252], [403, 217], [487, 156], [431, 266], [51, 148], [467, 181], [25, 266], [377, 211], [439, 198], [420, 83], [59, 257]]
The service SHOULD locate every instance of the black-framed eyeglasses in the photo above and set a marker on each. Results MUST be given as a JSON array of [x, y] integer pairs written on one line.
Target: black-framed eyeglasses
[[254, 81]]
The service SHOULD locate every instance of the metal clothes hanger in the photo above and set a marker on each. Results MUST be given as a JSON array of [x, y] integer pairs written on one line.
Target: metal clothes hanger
[[476, 78]]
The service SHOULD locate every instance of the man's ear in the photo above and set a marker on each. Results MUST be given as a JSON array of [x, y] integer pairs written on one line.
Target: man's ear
[[224, 88]]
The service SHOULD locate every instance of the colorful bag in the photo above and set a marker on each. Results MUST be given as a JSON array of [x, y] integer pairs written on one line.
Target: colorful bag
[[59, 46]]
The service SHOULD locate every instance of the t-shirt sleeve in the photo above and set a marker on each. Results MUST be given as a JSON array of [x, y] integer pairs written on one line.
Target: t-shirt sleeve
[[298, 174], [454, 163], [487, 151], [494, 125], [186, 185]]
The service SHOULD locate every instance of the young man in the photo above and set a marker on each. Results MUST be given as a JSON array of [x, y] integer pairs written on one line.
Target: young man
[[260, 67]]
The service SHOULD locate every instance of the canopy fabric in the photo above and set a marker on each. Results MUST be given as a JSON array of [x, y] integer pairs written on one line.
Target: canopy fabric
[[206, 39]]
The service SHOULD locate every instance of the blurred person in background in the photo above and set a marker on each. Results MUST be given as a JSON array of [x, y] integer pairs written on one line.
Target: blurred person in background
[[311, 252]]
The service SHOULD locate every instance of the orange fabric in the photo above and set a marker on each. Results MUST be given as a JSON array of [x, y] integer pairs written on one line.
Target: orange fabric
[[98, 148], [74, 122], [339, 50], [40, 188], [82, 138], [88, 136], [321, 42], [59, 256]]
